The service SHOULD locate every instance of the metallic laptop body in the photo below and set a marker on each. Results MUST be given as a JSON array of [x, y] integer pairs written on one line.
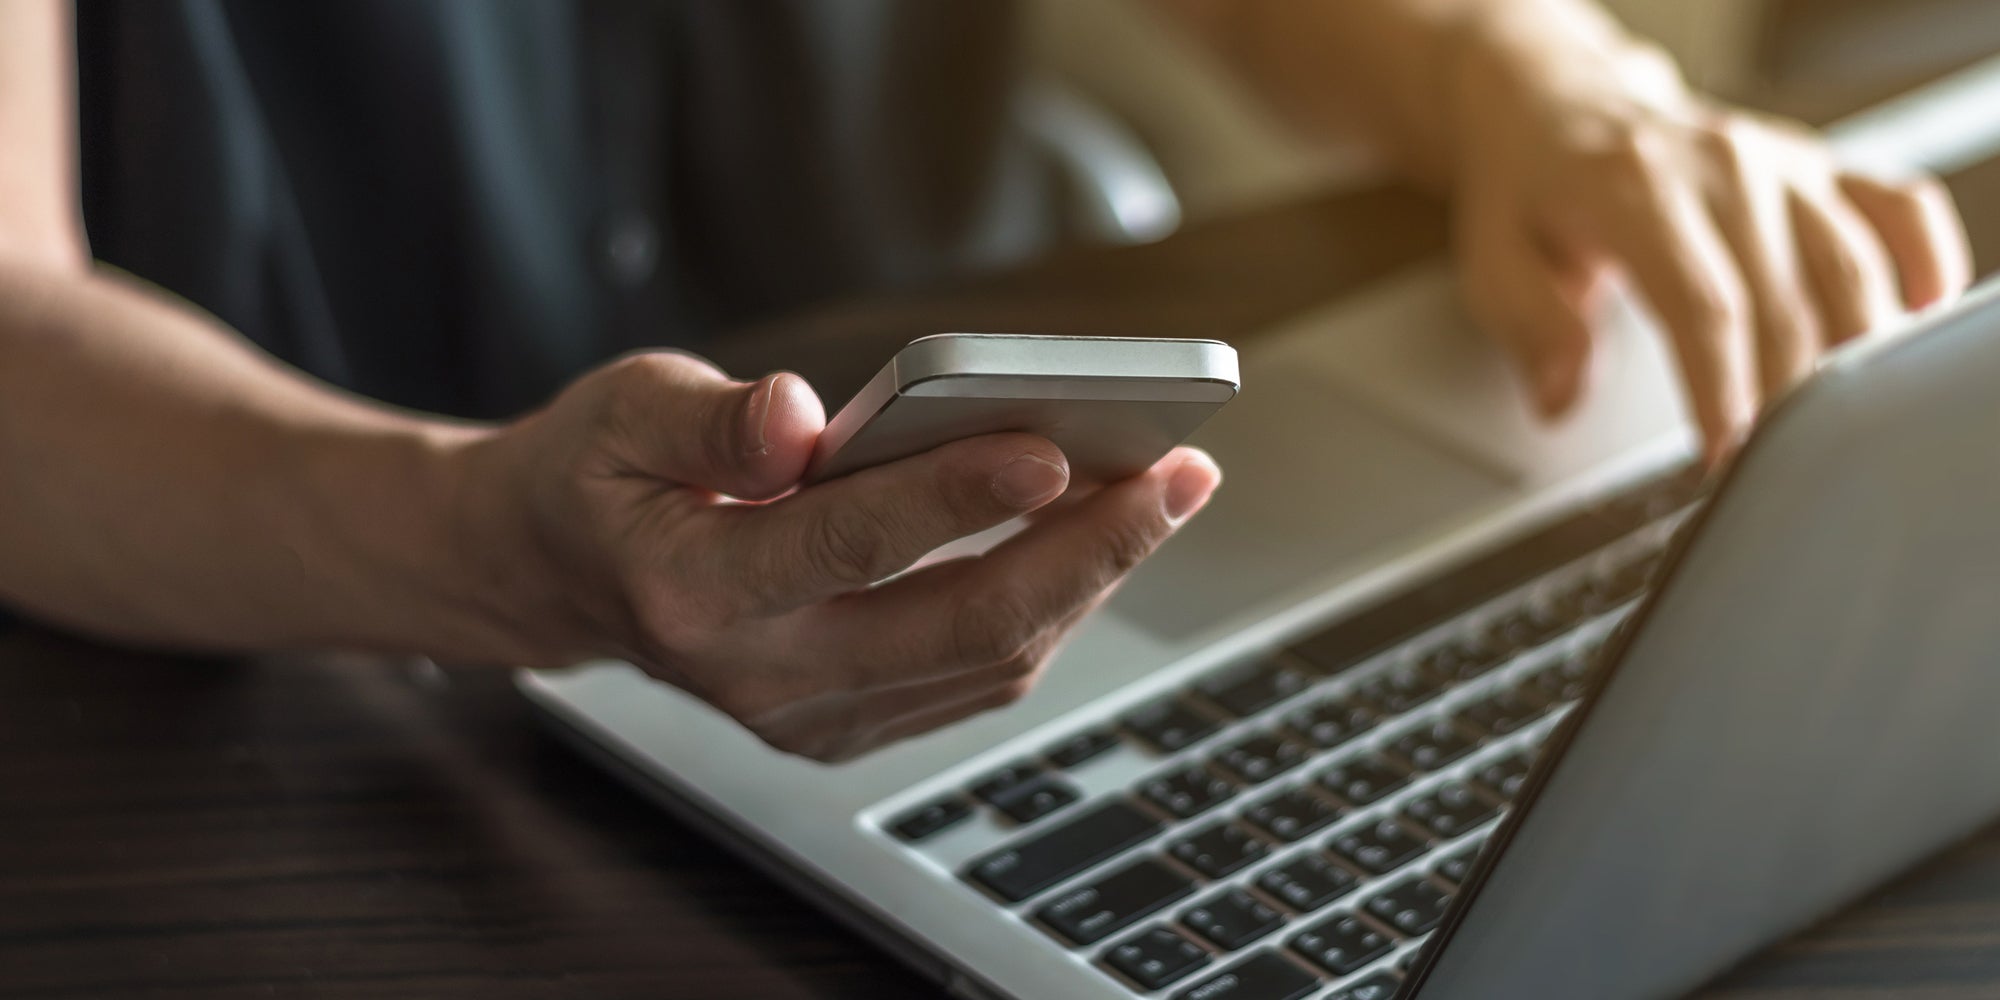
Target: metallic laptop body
[[1801, 708], [1377, 446]]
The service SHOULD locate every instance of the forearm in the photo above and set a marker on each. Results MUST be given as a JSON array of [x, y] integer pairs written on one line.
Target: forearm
[[1388, 70], [38, 216], [162, 482]]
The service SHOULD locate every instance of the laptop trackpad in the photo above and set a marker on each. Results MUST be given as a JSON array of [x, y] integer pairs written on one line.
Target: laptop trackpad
[[1314, 483]]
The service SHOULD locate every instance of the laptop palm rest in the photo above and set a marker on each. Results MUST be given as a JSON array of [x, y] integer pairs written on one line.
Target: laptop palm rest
[[1316, 481], [1370, 429]]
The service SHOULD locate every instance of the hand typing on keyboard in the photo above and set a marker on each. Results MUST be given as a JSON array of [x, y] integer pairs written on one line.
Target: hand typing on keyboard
[[770, 611]]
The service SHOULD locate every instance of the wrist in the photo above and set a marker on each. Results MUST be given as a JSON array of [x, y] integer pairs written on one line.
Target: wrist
[[1537, 63], [472, 594], [506, 569]]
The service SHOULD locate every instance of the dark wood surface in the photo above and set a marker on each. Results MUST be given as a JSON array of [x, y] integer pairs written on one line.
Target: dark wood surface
[[320, 826]]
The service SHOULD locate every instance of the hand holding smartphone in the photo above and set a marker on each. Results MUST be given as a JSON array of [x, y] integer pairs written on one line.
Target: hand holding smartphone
[[1114, 405]]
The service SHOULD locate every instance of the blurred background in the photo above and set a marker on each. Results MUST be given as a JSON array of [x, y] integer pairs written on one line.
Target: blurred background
[[1131, 104]]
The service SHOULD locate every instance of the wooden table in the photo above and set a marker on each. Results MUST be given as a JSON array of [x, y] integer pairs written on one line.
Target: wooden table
[[324, 826]]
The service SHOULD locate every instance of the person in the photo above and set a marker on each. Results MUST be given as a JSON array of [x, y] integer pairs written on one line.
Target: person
[[331, 236]]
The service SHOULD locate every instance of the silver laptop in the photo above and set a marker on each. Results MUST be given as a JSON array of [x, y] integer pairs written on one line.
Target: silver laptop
[[1437, 701]]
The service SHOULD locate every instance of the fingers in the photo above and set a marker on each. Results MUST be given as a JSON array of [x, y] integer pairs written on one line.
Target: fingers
[[916, 709], [1663, 232], [846, 534], [1754, 215], [844, 724], [1849, 271], [678, 418], [990, 611], [1920, 227], [1534, 311]]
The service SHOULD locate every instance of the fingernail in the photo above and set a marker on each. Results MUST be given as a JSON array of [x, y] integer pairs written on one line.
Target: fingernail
[[1190, 487], [1029, 481], [757, 414]]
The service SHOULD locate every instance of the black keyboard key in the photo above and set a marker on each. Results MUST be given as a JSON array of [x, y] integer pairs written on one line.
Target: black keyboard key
[[1449, 810], [1017, 872], [1331, 652], [1458, 866], [1292, 815], [1007, 779], [1218, 851], [1461, 661], [1365, 779], [1566, 680], [1433, 745], [1333, 721], [929, 820], [1342, 944], [1246, 689], [1568, 603], [1414, 907], [1026, 803], [1504, 777], [1307, 883], [1090, 913], [1171, 725], [1084, 746], [1593, 596], [1551, 686], [1262, 757], [1552, 615], [1190, 791], [1380, 986], [1156, 958], [1584, 664], [1377, 847], [1629, 580], [1400, 688], [1604, 591], [1505, 711], [1511, 633], [1266, 975], [1232, 918]]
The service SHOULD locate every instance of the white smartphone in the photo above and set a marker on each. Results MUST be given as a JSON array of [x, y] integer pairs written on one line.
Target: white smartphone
[[1114, 405]]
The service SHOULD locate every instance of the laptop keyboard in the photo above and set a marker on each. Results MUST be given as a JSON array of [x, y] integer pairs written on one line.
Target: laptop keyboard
[[1310, 813]]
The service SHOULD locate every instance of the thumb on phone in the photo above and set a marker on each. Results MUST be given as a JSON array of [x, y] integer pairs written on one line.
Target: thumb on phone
[[682, 420]]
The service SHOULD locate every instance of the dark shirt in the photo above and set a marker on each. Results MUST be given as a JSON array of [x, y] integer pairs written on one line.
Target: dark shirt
[[457, 205]]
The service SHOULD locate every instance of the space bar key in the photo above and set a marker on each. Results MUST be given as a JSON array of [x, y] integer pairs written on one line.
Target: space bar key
[[1024, 869]]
